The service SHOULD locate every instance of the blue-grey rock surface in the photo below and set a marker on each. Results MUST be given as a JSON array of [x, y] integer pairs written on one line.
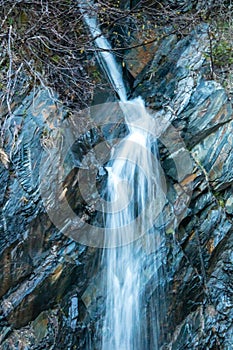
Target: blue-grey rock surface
[[49, 286]]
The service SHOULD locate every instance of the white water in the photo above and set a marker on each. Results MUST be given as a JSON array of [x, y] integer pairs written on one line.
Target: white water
[[106, 59], [133, 180], [134, 191]]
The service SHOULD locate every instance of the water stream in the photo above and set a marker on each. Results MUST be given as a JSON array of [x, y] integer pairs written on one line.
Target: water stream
[[105, 57], [132, 268], [133, 183]]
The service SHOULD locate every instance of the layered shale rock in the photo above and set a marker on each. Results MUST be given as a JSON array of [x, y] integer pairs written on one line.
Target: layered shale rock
[[50, 297], [199, 264]]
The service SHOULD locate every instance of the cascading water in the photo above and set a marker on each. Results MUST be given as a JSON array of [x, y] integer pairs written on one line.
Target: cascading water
[[135, 196], [132, 187], [106, 59]]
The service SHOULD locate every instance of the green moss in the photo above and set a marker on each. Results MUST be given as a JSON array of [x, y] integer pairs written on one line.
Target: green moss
[[95, 73], [10, 21], [170, 231], [223, 53], [221, 203], [219, 198], [55, 58]]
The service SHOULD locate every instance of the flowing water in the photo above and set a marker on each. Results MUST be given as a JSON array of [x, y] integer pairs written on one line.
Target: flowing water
[[132, 187], [135, 196], [106, 59]]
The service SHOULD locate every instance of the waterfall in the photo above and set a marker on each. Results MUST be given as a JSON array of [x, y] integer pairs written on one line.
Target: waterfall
[[132, 268], [133, 179], [105, 57]]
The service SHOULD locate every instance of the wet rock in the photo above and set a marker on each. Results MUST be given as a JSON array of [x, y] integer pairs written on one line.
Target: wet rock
[[212, 109], [199, 109], [39, 264], [212, 330], [173, 74], [50, 290], [40, 326], [137, 59], [15, 266], [215, 154], [229, 206]]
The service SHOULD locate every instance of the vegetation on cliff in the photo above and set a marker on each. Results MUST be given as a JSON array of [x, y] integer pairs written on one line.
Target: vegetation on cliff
[[44, 274], [47, 40]]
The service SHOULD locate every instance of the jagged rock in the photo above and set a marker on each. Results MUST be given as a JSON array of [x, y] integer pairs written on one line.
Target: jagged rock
[[215, 154], [175, 84], [137, 59], [39, 264], [173, 74], [229, 205], [49, 288], [213, 110]]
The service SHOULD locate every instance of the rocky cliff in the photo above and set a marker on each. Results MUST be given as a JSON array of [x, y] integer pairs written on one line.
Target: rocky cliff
[[49, 281]]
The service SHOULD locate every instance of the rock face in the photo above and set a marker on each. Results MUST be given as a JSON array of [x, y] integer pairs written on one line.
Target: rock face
[[199, 253], [44, 272], [39, 265], [49, 281]]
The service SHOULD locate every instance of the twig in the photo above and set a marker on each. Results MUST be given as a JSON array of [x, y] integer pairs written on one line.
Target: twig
[[9, 72], [211, 54]]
